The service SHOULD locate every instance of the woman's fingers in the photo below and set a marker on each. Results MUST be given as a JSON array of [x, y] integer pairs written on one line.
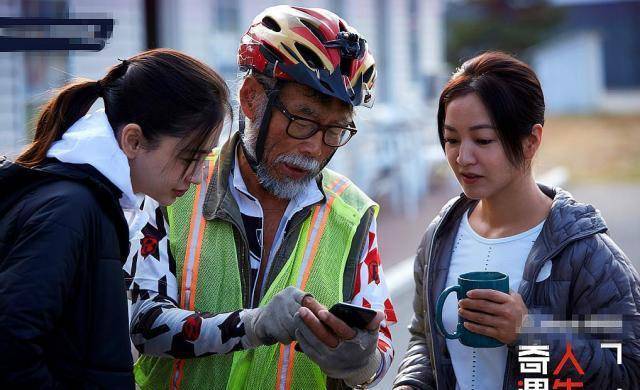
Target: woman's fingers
[[481, 318], [482, 329], [482, 305], [489, 295]]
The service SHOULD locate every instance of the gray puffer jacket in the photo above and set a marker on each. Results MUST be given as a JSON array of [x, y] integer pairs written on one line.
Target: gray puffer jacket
[[589, 275]]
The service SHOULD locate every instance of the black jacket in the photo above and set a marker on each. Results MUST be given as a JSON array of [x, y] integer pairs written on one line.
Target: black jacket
[[63, 311], [590, 276]]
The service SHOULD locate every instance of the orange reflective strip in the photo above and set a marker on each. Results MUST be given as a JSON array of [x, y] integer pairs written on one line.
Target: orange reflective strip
[[316, 212], [342, 186], [307, 271], [287, 353], [316, 243], [280, 364], [196, 264], [176, 375], [335, 182], [285, 361], [178, 372], [292, 351], [192, 222], [305, 277]]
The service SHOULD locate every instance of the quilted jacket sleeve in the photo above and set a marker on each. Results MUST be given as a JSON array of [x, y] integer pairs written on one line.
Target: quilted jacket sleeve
[[604, 282], [609, 284], [415, 369]]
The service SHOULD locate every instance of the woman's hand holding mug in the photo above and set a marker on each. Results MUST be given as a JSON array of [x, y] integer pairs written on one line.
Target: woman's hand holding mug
[[494, 313]]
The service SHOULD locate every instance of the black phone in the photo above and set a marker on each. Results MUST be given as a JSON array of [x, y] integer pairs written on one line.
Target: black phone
[[352, 315]]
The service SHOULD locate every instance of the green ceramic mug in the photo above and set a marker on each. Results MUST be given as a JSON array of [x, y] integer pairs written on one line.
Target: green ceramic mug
[[466, 282]]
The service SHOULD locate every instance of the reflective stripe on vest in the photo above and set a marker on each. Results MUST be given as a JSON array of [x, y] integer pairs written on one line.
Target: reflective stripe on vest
[[192, 260], [318, 223]]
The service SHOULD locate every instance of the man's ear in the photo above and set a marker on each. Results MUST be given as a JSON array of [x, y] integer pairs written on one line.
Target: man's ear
[[250, 93], [131, 140], [531, 143]]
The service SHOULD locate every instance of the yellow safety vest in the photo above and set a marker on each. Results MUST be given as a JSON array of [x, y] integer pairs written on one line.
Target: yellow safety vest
[[210, 280]]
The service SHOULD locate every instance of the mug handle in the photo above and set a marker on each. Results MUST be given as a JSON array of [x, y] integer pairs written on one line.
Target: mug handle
[[439, 305]]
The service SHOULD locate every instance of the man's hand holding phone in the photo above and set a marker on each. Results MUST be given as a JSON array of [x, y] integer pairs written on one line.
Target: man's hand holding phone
[[341, 351]]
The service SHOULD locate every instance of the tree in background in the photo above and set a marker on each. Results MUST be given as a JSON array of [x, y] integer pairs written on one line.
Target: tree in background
[[512, 26]]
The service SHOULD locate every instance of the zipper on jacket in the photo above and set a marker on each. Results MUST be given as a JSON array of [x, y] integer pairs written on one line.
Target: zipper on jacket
[[431, 352], [429, 257]]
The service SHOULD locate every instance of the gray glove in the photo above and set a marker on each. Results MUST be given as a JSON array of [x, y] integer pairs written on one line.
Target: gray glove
[[355, 361], [273, 323]]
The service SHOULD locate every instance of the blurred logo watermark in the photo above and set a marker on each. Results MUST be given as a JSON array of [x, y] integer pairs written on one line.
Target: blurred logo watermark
[[534, 359], [39, 33]]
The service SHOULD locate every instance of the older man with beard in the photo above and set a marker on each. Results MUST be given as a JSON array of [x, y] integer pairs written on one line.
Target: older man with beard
[[222, 272]]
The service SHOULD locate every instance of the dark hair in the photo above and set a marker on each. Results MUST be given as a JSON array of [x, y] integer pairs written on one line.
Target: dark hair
[[510, 91], [165, 92]]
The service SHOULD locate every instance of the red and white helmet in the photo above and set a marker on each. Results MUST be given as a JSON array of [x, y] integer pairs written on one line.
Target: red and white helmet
[[311, 46]]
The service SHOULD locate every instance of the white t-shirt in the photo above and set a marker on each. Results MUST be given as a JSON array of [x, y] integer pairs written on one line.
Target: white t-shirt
[[482, 368]]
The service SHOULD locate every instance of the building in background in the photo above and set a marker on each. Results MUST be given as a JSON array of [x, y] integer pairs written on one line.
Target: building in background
[[406, 37], [586, 52], [28, 78], [592, 64]]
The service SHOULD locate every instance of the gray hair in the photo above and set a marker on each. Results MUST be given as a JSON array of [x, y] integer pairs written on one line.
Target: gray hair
[[252, 127]]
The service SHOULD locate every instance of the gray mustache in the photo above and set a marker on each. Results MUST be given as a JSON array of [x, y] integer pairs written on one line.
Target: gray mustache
[[300, 162]]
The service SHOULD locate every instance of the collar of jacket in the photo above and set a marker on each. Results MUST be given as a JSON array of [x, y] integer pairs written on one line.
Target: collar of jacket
[[568, 221], [219, 202]]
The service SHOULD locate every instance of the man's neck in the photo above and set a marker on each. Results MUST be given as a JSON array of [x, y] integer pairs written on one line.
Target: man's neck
[[266, 199]]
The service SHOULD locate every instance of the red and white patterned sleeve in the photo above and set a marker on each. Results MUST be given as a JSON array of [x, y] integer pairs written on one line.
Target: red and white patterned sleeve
[[371, 291]]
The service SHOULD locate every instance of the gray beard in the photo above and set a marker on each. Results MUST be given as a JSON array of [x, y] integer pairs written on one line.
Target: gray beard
[[287, 188]]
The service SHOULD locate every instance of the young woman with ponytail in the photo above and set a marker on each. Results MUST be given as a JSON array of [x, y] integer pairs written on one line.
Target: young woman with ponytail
[[63, 234]]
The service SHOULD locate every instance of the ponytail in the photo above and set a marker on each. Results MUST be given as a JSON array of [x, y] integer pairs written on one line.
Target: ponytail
[[165, 92], [70, 103]]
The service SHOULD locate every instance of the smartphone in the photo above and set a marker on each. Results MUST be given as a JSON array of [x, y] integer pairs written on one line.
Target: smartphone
[[352, 315]]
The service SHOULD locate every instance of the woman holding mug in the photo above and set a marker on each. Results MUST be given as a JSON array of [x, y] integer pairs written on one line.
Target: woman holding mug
[[555, 251]]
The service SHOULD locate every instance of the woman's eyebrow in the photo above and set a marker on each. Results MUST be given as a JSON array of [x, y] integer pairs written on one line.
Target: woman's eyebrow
[[481, 126], [472, 128], [449, 127]]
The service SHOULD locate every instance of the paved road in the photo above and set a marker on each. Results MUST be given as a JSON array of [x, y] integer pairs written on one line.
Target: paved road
[[618, 204]]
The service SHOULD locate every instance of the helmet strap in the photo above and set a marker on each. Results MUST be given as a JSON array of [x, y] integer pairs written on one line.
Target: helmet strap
[[272, 95], [241, 125]]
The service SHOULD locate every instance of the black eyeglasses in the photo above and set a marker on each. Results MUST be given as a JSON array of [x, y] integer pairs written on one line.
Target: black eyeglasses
[[303, 128]]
